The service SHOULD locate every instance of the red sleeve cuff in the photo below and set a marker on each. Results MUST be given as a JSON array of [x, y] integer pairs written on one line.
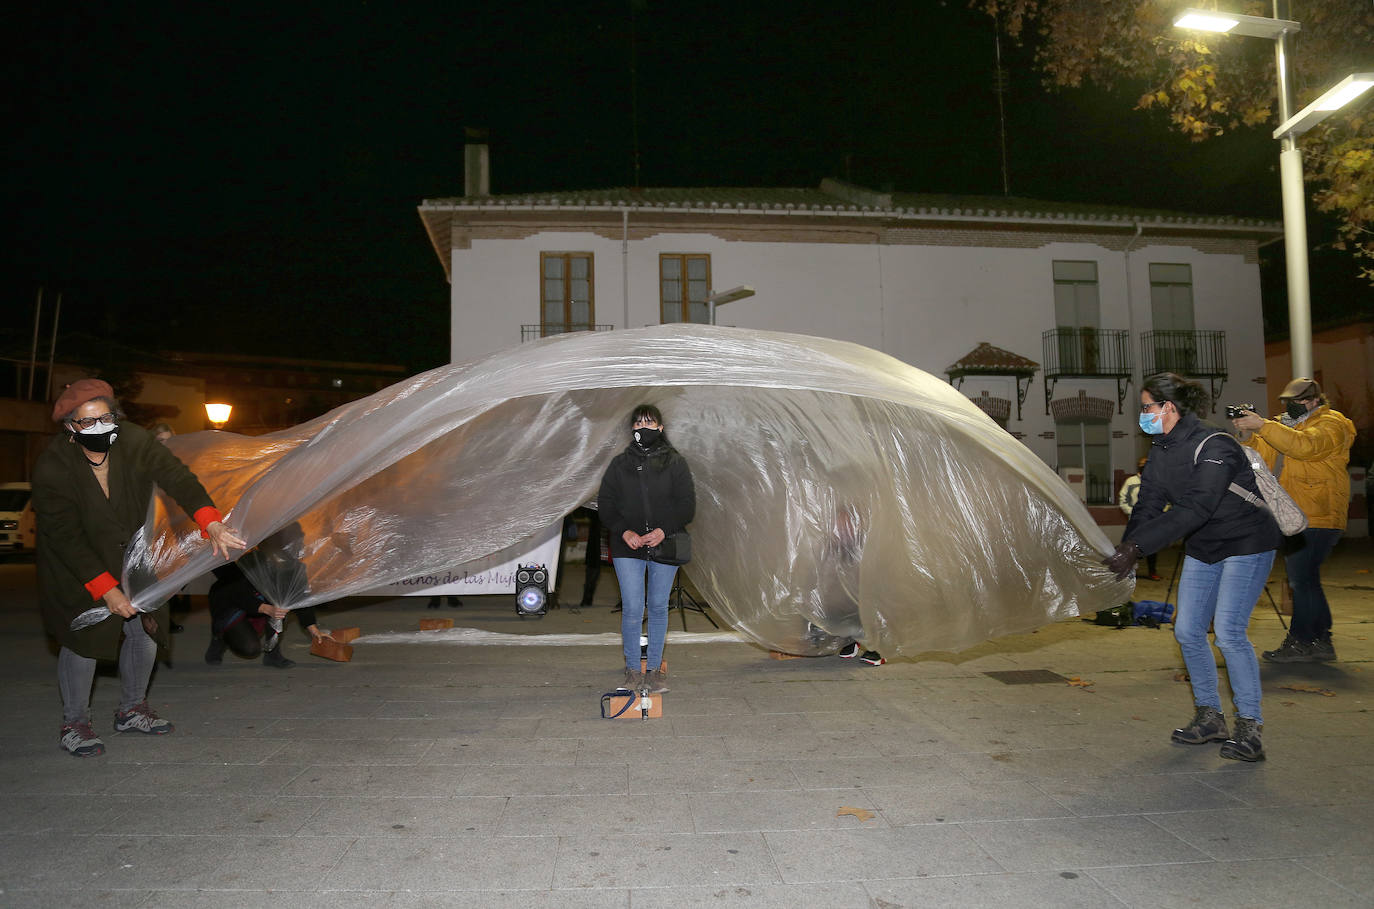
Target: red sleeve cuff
[[101, 584], [205, 517]]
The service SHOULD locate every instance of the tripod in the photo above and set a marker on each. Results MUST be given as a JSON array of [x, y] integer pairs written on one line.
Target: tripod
[[682, 601], [1174, 575]]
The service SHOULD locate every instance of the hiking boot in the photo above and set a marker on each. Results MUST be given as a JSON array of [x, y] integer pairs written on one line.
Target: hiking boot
[[1245, 744], [1322, 648], [80, 740], [849, 651], [1208, 725], [214, 654], [632, 681], [656, 681], [872, 658], [1292, 651], [140, 718], [273, 657]]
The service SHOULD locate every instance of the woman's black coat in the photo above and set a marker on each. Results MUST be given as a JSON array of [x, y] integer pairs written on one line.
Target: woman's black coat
[[662, 474], [1214, 522]]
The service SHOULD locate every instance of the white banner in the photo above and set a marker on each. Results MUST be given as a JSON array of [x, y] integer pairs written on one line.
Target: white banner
[[493, 575]]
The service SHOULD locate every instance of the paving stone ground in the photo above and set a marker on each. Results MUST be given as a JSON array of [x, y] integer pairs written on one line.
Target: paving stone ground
[[438, 774]]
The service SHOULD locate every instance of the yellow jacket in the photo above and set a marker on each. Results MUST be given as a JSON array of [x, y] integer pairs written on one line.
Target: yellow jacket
[[1315, 454]]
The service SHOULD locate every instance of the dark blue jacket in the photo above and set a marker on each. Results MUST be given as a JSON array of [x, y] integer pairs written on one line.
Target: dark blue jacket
[[1213, 522]]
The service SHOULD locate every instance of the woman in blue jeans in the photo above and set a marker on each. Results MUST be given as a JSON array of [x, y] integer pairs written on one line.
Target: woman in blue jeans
[[1229, 548], [646, 495]]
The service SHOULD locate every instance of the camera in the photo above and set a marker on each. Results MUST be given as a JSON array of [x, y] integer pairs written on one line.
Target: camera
[[1238, 410]]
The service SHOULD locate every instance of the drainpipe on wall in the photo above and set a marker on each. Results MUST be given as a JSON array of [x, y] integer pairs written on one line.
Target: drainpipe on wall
[[1136, 375], [625, 265], [1130, 305]]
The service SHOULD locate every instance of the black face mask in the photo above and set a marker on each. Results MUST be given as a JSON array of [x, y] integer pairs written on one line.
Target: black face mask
[[647, 438], [96, 443], [1296, 409]]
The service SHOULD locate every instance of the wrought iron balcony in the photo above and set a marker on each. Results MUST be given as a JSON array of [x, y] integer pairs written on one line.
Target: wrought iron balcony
[[535, 332], [1200, 354], [1095, 353]]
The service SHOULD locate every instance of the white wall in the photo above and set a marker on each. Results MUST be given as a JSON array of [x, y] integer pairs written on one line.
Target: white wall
[[926, 305]]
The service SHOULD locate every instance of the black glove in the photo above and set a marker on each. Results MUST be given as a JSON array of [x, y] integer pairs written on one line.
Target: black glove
[[1122, 562]]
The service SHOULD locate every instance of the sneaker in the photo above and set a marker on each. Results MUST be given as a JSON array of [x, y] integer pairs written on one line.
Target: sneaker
[[79, 740], [214, 654], [656, 681], [849, 651], [141, 719], [1322, 648], [872, 658], [1245, 744], [273, 657], [631, 681], [1208, 725], [1292, 651]]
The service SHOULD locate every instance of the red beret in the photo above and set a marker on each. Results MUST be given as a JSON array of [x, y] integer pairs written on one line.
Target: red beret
[[78, 393]]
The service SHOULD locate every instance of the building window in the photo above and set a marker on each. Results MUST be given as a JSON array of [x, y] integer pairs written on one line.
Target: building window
[[1171, 317], [1076, 315], [567, 293], [1088, 445], [684, 282]]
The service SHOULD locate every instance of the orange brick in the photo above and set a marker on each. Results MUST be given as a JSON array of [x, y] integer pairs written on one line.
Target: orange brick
[[346, 635], [435, 624], [332, 650]]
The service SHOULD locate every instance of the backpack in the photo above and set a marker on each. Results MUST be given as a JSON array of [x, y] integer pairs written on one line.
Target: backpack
[[1273, 498]]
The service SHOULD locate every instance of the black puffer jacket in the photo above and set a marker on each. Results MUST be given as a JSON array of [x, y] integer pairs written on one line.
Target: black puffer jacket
[[667, 483], [1214, 522]]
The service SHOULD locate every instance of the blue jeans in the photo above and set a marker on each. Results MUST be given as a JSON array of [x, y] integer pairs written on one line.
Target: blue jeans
[[635, 596], [1223, 595], [1311, 613]]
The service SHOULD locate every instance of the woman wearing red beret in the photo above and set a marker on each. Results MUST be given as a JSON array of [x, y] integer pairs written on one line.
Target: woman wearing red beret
[[91, 490]]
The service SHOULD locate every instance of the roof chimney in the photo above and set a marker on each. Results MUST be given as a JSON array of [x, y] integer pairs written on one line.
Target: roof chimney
[[476, 162]]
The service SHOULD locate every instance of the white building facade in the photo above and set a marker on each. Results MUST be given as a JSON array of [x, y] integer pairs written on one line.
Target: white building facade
[[1009, 299]]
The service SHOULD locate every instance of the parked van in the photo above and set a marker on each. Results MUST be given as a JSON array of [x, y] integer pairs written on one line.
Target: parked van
[[17, 527]]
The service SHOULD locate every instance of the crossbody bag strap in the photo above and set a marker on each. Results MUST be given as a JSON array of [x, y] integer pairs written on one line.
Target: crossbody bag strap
[[1239, 490]]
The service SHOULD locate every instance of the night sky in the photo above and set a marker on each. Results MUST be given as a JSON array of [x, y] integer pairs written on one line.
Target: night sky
[[244, 177]]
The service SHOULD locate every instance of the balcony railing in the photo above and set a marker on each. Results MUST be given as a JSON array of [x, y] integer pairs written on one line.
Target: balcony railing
[[1187, 353], [1086, 352], [535, 332]]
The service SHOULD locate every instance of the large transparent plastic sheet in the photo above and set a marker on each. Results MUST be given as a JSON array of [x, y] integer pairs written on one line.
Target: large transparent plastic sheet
[[841, 493]]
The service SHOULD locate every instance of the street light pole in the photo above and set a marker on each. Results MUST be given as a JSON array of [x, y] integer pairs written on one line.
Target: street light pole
[[1294, 219], [1290, 156]]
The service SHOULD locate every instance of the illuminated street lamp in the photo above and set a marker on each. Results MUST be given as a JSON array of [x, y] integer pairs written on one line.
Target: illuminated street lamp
[[727, 296], [218, 414], [1290, 158]]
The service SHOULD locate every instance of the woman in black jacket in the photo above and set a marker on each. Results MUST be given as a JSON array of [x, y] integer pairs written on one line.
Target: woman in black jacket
[[646, 496], [1229, 548]]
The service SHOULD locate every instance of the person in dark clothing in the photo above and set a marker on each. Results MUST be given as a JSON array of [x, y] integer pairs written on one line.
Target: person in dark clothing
[[1229, 548], [91, 489], [241, 615], [646, 495]]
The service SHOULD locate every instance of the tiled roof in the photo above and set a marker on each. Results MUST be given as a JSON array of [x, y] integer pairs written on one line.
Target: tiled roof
[[834, 197], [988, 359]]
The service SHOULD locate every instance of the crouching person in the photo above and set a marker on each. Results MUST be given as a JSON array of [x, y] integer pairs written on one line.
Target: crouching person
[[241, 618]]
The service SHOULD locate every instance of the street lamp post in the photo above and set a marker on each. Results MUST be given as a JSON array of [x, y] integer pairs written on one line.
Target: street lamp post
[[726, 296], [1290, 158]]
